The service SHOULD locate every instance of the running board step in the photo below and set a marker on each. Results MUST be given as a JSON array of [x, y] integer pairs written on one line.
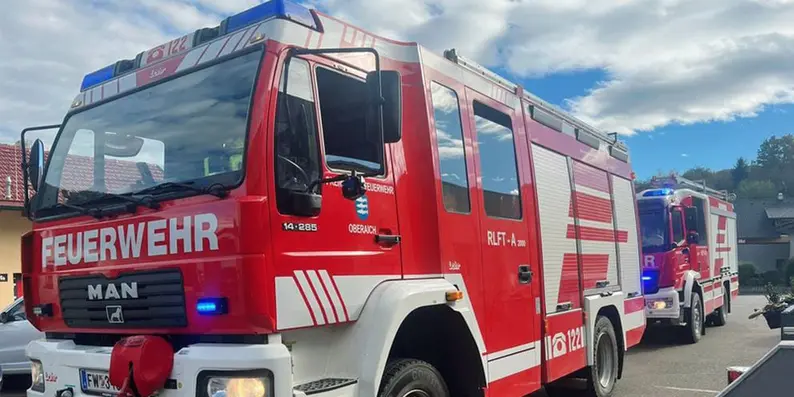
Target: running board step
[[324, 385]]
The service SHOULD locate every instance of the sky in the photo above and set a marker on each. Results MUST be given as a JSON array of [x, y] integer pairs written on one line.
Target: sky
[[686, 83]]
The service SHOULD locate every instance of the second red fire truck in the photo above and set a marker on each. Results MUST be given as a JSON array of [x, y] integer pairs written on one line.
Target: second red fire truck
[[689, 243], [287, 205]]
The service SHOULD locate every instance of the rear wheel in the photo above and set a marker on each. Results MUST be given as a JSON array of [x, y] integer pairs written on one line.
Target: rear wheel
[[604, 371], [721, 315], [694, 329], [412, 378]]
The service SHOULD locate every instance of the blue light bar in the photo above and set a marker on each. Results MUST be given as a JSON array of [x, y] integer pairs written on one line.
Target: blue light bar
[[212, 306], [283, 9], [658, 193], [98, 77]]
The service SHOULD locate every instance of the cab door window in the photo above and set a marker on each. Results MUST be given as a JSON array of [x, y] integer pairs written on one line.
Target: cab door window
[[297, 149], [344, 115]]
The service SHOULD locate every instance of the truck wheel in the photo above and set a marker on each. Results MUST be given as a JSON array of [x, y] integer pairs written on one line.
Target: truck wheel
[[604, 371], [721, 316], [412, 378], [695, 322]]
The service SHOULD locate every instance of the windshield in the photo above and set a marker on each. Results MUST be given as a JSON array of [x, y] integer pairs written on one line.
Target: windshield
[[654, 230], [190, 128]]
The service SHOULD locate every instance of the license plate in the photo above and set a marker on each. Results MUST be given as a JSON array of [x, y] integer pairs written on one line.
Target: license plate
[[96, 382]]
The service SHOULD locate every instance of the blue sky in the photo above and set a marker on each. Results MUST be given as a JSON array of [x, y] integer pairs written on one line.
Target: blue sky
[[686, 83], [714, 145]]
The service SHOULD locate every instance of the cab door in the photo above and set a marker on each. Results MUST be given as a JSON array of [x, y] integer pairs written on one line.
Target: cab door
[[505, 210], [326, 264]]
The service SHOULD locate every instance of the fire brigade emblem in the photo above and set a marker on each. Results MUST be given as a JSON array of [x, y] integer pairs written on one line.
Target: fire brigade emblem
[[362, 207]]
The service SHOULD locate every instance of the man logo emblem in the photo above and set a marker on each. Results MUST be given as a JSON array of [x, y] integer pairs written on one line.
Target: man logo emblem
[[115, 315]]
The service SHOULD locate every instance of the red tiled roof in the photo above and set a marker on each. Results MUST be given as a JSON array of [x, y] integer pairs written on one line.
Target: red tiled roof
[[118, 174], [10, 160]]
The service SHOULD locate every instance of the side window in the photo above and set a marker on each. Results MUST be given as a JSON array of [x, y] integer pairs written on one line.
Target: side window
[[297, 154], [678, 226], [343, 112], [451, 154], [498, 163]]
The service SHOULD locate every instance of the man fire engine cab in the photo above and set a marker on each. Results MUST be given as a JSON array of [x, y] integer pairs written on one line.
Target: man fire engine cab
[[690, 272], [286, 205]]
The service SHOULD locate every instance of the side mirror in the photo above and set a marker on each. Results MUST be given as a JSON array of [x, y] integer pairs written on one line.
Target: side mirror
[[391, 92], [353, 187], [36, 163], [693, 238], [4, 318], [673, 245], [691, 217]]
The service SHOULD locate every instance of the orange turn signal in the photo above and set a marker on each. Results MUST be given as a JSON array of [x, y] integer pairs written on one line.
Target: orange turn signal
[[453, 296]]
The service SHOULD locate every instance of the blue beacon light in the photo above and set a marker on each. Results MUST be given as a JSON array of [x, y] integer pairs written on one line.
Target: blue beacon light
[[283, 9], [97, 77], [658, 192], [212, 306]]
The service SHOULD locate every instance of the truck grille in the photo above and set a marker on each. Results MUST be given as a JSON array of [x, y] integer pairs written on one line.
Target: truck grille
[[153, 299]]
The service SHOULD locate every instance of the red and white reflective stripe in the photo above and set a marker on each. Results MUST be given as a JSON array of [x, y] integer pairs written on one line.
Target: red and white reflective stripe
[[313, 297]]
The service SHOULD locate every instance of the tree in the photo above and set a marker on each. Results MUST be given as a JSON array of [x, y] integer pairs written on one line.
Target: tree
[[756, 189], [640, 185], [740, 171], [722, 180], [776, 159], [699, 174]]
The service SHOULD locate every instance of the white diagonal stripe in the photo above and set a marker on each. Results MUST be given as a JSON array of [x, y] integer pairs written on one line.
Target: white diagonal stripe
[[329, 286], [318, 287], [307, 290]]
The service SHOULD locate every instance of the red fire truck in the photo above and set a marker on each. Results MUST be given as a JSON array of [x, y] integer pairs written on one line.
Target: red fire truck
[[690, 270], [287, 205]]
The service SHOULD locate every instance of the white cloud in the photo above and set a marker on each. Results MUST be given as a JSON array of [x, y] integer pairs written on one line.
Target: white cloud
[[47, 46], [666, 61], [684, 155]]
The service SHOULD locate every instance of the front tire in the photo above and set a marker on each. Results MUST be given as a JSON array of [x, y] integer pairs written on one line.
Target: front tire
[[695, 321], [412, 378], [604, 372]]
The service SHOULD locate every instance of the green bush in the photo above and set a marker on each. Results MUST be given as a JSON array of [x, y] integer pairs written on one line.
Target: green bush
[[746, 272], [789, 270], [773, 277]]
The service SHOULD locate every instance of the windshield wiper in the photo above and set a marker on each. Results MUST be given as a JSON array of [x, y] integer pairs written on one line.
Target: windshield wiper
[[82, 210], [215, 189], [145, 201]]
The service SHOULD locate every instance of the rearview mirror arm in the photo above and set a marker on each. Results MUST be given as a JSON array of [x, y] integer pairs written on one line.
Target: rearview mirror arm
[[25, 176]]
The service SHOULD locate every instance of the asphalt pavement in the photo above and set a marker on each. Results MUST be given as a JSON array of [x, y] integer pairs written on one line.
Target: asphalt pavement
[[662, 367]]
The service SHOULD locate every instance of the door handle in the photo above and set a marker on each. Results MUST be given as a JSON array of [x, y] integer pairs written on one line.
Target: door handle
[[524, 274], [387, 239]]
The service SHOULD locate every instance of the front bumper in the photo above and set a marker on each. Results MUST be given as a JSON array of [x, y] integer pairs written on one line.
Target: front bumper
[[672, 309], [62, 361]]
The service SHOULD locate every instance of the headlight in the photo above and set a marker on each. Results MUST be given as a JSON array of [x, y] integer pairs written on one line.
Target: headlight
[[37, 375], [238, 385], [659, 304]]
